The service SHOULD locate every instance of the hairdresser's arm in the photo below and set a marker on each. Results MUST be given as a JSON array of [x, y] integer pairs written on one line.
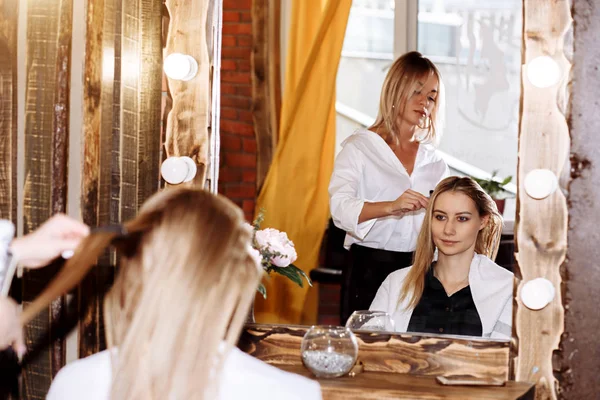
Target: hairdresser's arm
[[11, 333], [39, 248], [407, 202]]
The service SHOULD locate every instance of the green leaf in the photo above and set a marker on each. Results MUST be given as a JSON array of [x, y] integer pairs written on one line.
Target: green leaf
[[291, 273], [262, 290], [302, 273], [506, 180]]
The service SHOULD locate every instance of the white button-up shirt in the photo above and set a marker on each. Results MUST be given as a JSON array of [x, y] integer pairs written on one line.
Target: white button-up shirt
[[367, 170]]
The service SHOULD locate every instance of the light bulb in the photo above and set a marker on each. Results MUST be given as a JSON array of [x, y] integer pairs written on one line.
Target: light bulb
[[543, 72], [176, 170], [537, 293], [181, 67], [540, 183]]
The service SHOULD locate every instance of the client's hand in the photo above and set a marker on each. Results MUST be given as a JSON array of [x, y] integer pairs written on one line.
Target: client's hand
[[58, 234]]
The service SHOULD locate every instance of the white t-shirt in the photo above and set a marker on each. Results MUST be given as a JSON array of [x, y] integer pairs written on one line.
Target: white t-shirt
[[243, 377], [367, 170]]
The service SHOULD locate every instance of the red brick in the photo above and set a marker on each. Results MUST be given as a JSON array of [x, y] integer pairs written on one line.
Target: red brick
[[249, 176], [236, 53], [237, 28], [248, 205], [237, 128], [245, 16], [235, 77], [249, 216], [244, 116], [231, 16], [231, 142], [228, 41], [244, 40], [236, 102], [243, 191], [230, 175], [244, 90], [229, 65], [243, 66], [227, 88], [229, 113], [237, 4], [249, 145], [240, 160]]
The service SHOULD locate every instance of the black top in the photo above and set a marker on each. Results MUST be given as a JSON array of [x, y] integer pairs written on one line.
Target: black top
[[439, 313]]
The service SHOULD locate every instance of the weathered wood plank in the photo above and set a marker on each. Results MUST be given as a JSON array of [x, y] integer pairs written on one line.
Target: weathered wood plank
[[122, 128], [266, 81], [46, 139], [378, 385], [391, 353], [8, 109], [580, 350], [541, 228], [150, 82], [187, 123]]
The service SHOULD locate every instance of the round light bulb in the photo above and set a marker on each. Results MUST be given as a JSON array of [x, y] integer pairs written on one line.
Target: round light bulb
[[540, 183], [543, 72], [176, 170], [181, 67], [537, 293]]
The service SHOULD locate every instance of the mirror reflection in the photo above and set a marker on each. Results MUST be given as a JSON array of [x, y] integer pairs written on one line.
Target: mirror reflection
[[391, 154]]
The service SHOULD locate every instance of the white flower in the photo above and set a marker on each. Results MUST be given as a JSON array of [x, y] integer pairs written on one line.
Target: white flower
[[255, 254], [277, 243]]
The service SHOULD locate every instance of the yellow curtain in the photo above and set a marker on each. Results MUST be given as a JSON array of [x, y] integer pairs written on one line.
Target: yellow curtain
[[294, 194]]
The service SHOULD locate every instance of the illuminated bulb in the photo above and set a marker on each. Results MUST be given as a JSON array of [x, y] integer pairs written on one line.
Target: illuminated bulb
[[537, 293], [181, 67], [540, 183], [543, 72], [176, 170]]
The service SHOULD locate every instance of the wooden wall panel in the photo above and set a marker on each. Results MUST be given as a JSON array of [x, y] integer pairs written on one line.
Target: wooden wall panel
[[8, 109], [187, 123], [580, 344], [47, 93], [541, 231], [123, 70]]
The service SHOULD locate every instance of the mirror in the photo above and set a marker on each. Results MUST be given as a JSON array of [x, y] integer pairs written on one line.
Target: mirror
[[477, 49]]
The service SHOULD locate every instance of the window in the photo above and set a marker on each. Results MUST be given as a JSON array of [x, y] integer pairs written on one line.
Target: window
[[476, 44]]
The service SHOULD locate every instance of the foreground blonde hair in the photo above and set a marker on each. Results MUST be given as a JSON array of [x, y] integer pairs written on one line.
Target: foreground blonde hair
[[186, 281], [399, 85], [488, 238]]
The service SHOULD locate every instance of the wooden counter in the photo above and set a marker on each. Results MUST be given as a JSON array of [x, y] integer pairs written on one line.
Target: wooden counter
[[383, 385]]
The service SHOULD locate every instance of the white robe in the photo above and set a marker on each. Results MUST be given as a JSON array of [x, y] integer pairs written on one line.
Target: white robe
[[491, 288]]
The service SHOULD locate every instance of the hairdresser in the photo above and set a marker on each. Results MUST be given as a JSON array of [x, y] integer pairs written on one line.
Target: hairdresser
[[37, 249], [382, 177]]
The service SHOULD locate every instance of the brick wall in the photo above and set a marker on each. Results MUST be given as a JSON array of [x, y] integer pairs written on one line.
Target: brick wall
[[237, 175]]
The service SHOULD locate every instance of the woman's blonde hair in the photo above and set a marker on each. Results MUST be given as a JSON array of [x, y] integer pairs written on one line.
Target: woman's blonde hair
[[399, 85], [186, 281], [488, 238]]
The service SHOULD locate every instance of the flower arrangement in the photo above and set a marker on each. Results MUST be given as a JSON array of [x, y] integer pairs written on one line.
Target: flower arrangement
[[276, 253]]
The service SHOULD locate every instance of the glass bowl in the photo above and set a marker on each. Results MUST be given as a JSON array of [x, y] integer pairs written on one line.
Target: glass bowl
[[329, 351], [367, 320]]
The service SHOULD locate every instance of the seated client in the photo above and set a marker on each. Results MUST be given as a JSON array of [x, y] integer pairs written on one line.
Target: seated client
[[462, 292], [186, 280]]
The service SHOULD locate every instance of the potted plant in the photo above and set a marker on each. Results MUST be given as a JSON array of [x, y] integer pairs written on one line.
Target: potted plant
[[495, 188]]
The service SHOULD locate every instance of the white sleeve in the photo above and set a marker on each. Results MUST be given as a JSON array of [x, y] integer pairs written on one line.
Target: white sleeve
[[7, 263], [382, 298], [344, 198], [503, 327]]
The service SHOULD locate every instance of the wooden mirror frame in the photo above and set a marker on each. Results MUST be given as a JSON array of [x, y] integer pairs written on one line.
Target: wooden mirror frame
[[540, 242]]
